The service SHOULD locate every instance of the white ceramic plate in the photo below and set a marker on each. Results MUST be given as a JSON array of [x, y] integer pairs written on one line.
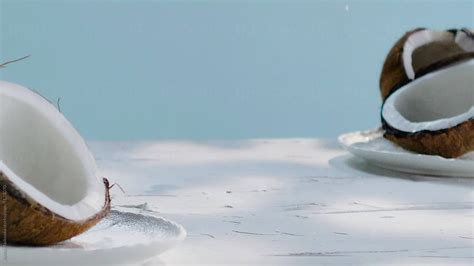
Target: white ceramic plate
[[375, 149], [121, 238]]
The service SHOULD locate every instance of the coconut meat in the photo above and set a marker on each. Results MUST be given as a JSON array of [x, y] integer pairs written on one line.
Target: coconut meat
[[465, 39], [44, 156], [439, 100]]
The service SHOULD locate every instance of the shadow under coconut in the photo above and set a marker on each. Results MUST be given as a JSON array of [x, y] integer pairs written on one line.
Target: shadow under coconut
[[353, 164]]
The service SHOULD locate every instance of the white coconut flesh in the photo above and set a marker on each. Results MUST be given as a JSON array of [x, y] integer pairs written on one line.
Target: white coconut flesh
[[45, 157], [463, 38], [436, 101]]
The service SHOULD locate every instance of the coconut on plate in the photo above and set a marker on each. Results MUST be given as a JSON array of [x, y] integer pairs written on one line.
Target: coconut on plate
[[50, 191], [427, 87]]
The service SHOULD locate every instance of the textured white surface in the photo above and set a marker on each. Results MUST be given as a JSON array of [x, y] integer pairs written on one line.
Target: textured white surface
[[290, 202]]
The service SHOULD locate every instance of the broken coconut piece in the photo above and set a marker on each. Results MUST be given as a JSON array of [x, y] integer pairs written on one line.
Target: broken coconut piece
[[422, 51], [427, 84], [48, 175], [425, 47]]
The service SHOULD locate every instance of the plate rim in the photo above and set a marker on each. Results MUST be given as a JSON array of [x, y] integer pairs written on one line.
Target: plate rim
[[83, 252], [357, 151]]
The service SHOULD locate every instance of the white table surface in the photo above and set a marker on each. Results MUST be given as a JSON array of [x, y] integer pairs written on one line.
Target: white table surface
[[290, 202]]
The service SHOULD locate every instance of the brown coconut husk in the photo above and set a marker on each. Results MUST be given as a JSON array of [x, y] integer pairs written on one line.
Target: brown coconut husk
[[28, 223], [450, 143]]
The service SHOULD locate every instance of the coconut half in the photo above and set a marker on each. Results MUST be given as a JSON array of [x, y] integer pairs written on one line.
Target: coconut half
[[427, 84], [48, 175]]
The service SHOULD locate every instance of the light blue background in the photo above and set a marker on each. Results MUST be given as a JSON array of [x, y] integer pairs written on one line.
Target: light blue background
[[130, 70]]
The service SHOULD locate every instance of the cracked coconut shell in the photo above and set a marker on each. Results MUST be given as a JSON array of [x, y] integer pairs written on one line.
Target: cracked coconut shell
[[29, 223]]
